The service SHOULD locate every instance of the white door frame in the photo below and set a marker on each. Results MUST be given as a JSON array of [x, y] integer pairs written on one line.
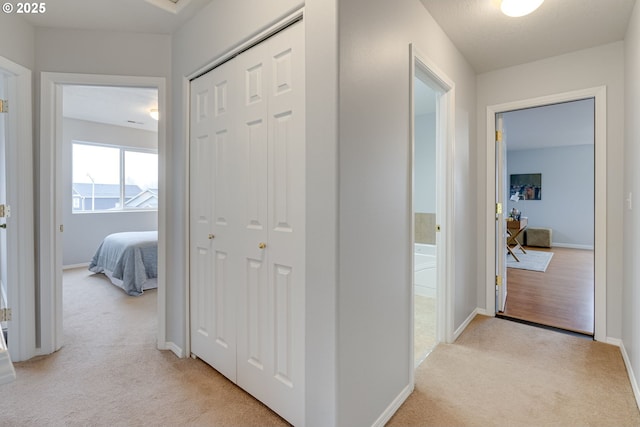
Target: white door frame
[[600, 95], [20, 243], [51, 205], [444, 194]]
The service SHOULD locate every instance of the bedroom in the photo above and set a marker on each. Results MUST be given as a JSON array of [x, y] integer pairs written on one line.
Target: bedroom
[[110, 179]]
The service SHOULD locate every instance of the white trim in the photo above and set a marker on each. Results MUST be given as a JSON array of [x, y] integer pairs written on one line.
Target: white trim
[[73, 266], [572, 246], [600, 191], [20, 226], [444, 205], [247, 44], [630, 373], [50, 205], [466, 322], [384, 418], [173, 347]]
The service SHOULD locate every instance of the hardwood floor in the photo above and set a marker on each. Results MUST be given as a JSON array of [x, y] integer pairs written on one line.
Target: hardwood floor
[[561, 297]]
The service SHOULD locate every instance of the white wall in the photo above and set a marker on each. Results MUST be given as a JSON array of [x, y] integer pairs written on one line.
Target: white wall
[[631, 218], [84, 232], [215, 30], [375, 280], [17, 40], [587, 68], [425, 163], [567, 203]]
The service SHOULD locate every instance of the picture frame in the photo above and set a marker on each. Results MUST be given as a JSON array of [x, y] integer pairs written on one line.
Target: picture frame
[[527, 186]]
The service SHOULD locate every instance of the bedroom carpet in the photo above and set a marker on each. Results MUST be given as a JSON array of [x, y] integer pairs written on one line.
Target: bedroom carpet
[[109, 373]]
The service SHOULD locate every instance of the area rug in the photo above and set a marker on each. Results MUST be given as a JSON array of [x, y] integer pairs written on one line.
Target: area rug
[[532, 260]]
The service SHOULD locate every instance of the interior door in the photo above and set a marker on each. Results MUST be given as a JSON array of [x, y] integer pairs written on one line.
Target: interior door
[[271, 305], [213, 166], [501, 233], [248, 221]]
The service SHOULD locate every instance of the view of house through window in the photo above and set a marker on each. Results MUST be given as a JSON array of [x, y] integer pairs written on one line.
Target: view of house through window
[[112, 178]]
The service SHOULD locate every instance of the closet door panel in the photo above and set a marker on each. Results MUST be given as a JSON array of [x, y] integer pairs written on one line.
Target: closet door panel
[[213, 251]]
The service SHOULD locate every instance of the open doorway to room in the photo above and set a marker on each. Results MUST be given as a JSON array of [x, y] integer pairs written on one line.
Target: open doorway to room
[[109, 183], [432, 95], [546, 162], [424, 207], [78, 197]]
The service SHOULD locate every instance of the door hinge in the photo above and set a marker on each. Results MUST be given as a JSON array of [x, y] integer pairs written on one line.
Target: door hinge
[[498, 136], [4, 106], [498, 208], [61, 228], [5, 314], [499, 280]]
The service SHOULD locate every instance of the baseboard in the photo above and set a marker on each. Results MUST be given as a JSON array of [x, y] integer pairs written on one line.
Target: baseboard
[[571, 246], [464, 325], [173, 347], [72, 266], [393, 407], [632, 377]]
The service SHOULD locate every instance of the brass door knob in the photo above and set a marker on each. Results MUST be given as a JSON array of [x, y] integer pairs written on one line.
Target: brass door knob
[[211, 236], [262, 245]]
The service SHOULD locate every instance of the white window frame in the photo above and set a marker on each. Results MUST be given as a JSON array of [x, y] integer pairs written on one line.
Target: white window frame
[[121, 204]]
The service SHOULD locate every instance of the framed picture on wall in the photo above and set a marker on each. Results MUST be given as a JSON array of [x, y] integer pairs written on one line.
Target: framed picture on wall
[[527, 186]]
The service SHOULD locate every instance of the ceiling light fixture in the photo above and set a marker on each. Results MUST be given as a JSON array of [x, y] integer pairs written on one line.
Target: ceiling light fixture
[[154, 113], [516, 8]]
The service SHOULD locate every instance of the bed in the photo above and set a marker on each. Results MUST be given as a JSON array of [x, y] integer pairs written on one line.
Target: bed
[[129, 260]]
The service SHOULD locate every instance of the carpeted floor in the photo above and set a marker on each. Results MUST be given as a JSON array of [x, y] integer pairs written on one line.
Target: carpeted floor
[[498, 373], [108, 373], [502, 373]]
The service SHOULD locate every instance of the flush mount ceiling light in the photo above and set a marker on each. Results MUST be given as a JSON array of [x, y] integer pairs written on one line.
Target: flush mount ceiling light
[[516, 8], [154, 113]]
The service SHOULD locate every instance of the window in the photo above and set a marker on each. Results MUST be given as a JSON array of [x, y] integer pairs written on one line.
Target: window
[[113, 178]]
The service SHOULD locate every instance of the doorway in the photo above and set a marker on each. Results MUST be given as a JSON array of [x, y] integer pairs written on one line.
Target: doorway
[[549, 169], [497, 224], [16, 211], [52, 201], [432, 95], [109, 180]]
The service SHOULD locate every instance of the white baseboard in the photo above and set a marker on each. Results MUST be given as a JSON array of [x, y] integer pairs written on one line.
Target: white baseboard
[[384, 418], [464, 325], [72, 266], [632, 377], [572, 246], [173, 347]]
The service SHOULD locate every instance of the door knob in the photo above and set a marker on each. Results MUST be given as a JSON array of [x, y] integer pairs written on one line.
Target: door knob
[[211, 236], [3, 225], [262, 245]]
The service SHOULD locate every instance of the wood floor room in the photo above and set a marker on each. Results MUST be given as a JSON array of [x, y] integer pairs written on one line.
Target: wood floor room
[[560, 297]]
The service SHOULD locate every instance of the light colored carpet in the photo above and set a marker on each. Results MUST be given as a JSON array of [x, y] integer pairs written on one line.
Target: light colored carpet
[[498, 373], [502, 373], [109, 373], [532, 260]]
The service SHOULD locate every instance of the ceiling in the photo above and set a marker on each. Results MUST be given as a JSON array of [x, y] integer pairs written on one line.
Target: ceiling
[[120, 106], [571, 123], [490, 40], [138, 16]]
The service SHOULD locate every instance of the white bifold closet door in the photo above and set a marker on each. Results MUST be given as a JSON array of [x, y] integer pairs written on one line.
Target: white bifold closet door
[[247, 221]]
